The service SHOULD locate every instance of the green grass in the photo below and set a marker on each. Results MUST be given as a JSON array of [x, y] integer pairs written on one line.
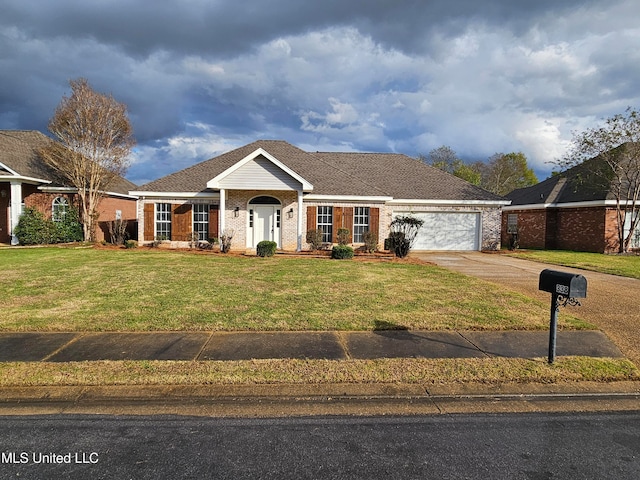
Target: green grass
[[623, 265], [490, 371], [86, 289]]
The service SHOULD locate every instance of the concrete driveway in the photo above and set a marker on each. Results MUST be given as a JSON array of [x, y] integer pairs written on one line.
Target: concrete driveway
[[612, 303]]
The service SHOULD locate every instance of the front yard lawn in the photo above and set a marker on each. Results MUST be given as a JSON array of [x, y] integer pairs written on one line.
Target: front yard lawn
[[90, 289], [623, 265]]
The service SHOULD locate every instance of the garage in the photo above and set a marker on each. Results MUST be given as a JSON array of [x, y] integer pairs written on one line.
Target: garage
[[447, 230]]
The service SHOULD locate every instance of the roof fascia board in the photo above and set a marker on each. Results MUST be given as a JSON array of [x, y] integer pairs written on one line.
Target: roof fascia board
[[75, 190], [145, 194], [215, 182], [487, 203], [46, 188], [121, 195], [592, 203], [346, 198], [31, 180]]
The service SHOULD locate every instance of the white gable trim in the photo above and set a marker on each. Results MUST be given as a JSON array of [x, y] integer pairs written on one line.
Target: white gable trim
[[215, 182], [10, 170]]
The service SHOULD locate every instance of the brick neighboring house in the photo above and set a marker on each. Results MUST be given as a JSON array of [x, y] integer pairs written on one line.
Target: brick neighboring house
[[565, 212], [26, 181], [272, 190]]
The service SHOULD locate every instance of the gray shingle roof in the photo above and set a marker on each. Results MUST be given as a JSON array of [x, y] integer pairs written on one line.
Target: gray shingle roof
[[400, 176], [19, 152], [577, 184], [359, 174]]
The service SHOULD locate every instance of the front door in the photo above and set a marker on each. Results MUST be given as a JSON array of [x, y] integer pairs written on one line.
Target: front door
[[266, 224]]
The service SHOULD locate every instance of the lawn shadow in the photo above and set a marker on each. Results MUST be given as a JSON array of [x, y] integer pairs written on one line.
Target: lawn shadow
[[382, 325]]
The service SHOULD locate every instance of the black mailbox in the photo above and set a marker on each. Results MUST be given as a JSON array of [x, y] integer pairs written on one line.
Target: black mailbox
[[569, 285]]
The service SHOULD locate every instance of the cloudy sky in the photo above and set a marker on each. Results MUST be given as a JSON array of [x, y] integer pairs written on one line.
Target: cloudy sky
[[201, 77]]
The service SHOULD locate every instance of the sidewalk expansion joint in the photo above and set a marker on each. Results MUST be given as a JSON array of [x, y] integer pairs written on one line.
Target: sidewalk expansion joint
[[62, 347]]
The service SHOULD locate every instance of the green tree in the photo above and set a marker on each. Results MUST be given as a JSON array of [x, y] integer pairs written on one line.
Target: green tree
[[94, 139], [444, 158], [505, 172], [610, 158]]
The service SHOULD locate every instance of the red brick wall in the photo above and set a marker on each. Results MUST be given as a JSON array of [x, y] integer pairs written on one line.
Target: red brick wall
[[581, 229], [584, 229], [531, 228], [107, 209], [109, 205], [611, 244], [42, 201]]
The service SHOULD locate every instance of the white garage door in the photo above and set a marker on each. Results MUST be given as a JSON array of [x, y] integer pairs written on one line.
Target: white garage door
[[447, 231]]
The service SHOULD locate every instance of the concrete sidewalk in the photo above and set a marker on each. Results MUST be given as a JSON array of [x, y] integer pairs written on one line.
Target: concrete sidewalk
[[75, 347], [612, 302]]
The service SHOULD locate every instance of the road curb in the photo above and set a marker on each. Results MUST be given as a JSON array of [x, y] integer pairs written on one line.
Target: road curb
[[313, 400]]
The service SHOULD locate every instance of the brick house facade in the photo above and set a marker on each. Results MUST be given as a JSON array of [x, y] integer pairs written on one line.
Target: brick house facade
[[271, 190], [583, 229], [26, 181], [564, 213]]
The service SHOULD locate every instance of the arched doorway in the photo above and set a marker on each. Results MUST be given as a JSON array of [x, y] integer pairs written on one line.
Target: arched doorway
[[265, 216]]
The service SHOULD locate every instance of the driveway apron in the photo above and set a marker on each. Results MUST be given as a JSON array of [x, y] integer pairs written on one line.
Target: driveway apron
[[612, 303]]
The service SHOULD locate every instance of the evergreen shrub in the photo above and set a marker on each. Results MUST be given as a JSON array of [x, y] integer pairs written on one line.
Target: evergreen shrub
[[266, 248], [342, 252]]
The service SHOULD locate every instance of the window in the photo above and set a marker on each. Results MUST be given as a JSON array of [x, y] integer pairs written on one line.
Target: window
[[635, 239], [512, 223], [59, 209], [163, 221], [201, 221], [360, 223], [325, 223]]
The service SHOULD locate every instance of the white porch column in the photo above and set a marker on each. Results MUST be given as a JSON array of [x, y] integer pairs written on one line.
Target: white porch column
[[223, 208], [16, 208], [300, 213]]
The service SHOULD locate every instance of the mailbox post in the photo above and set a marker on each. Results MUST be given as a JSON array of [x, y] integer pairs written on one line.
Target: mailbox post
[[565, 288]]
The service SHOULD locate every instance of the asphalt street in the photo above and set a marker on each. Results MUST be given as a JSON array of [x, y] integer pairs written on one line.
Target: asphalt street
[[507, 446]]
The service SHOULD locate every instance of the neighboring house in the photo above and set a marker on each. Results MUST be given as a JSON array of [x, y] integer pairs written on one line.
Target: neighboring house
[[26, 181], [565, 212], [271, 190]]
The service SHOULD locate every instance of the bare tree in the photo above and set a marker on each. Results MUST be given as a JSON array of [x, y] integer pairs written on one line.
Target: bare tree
[[94, 139], [609, 156], [505, 172]]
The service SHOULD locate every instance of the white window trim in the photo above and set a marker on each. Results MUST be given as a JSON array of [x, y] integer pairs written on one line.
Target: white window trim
[[363, 226], [59, 208]]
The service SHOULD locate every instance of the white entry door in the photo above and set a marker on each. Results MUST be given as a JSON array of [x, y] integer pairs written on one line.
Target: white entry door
[[266, 224]]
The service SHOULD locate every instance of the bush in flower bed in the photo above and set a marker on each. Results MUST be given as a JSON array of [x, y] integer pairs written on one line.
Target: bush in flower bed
[[342, 252], [266, 248]]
